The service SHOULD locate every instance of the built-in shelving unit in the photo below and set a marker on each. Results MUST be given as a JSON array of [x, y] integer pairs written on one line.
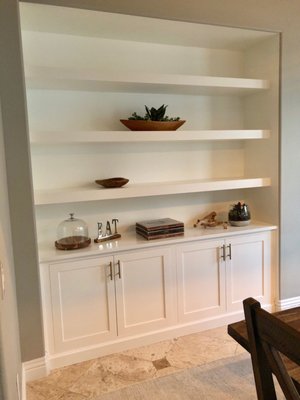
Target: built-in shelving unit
[[86, 70], [81, 80]]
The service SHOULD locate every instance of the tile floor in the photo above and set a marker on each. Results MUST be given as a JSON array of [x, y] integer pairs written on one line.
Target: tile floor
[[90, 379]]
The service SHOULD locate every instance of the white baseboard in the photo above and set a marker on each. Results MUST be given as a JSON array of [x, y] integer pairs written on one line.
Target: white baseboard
[[35, 369], [287, 303], [40, 367], [23, 388], [77, 355]]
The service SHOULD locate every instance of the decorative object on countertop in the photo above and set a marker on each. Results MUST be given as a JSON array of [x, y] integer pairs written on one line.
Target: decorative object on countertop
[[112, 182], [72, 234], [159, 228], [239, 215], [210, 221], [108, 235], [153, 120]]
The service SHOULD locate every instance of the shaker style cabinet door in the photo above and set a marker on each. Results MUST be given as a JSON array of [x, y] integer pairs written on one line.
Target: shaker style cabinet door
[[145, 291], [201, 280], [83, 303], [248, 268]]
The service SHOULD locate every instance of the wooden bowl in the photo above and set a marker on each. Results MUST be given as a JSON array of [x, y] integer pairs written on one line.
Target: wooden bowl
[[112, 182], [141, 125]]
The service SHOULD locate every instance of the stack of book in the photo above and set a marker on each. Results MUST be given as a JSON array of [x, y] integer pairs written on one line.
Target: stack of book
[[159, 228]]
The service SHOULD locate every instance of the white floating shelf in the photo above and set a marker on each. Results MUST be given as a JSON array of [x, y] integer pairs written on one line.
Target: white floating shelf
[[93, 193], [93, 80], [55, 137], [73, 21]]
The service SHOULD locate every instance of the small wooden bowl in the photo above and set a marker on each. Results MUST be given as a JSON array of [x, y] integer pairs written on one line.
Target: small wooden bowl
[[112, 182]]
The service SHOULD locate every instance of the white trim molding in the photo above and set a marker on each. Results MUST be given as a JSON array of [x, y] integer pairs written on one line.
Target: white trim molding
[[287, 303], [35, 369], [77, 355], [23, 383]]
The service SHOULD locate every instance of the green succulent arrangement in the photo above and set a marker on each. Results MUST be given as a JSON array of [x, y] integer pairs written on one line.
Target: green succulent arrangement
[[153, 114]]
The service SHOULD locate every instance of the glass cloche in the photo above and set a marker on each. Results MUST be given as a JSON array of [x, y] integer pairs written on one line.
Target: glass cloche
[[72, 234]]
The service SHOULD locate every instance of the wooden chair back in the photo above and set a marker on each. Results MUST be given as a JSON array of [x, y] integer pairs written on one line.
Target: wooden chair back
[[272, 344]]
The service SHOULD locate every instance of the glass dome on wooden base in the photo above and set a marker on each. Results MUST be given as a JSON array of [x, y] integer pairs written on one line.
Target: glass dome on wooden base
[[72, 234]]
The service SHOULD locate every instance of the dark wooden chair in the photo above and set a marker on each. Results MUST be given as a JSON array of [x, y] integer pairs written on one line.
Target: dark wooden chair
[[275, 349]]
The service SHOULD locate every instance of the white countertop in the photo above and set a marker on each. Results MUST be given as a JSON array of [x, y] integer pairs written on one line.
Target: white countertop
[[132, 241]]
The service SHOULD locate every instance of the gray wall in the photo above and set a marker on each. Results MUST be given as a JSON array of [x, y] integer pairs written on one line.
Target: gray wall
[[19, 186], [275, 15], [10, 359]]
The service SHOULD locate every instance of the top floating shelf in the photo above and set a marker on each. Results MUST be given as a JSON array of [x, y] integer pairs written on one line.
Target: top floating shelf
[[73, 21], [92, 80]]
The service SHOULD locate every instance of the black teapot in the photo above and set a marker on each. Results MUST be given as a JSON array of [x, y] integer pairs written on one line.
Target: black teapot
[[239, 215]]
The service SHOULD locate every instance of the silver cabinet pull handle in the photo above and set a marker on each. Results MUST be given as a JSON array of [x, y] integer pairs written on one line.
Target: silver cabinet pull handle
[[223, 251], [119, 269], [110, 275], [229, 252]]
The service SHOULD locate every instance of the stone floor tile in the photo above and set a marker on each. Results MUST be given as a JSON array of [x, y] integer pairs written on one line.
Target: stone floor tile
[[41, 389], [151, 352], [112, 373], [32, 394], [65, 377], [200, 348], [89, 379]]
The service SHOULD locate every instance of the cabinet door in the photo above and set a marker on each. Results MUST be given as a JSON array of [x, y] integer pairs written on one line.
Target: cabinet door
[[248, 269], [83, 303], [201, 280], [145, 291]]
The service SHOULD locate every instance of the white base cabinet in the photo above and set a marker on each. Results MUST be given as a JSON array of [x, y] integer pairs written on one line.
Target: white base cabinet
[[83, 303], [248, 269], [126, 298], [145, 293], [201, 281], [215, 276], [99, 299]]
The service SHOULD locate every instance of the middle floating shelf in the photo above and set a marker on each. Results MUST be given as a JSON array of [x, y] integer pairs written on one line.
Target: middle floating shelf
[[93, 193]]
